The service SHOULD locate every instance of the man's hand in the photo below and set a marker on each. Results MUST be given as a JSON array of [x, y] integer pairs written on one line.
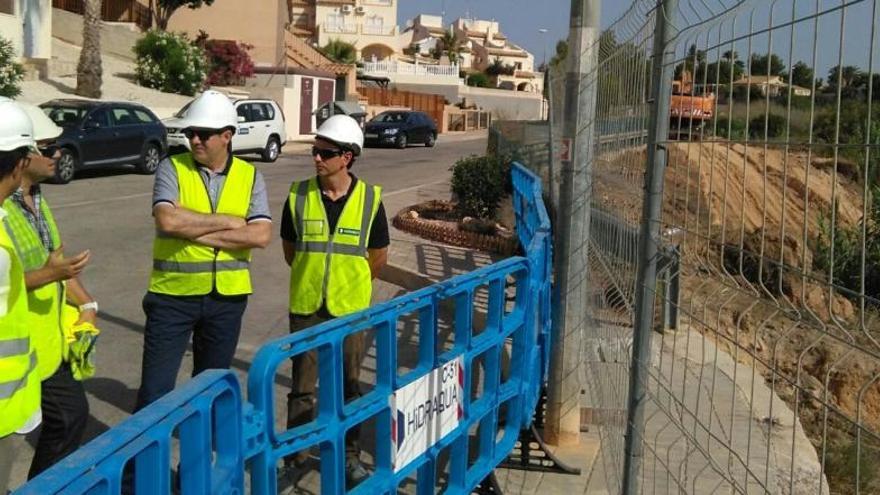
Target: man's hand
[[88, 316], [61, 268]]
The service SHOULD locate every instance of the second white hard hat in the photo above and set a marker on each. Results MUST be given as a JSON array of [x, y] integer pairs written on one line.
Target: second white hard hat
[[210, 110], [16, 128], [344, 131]]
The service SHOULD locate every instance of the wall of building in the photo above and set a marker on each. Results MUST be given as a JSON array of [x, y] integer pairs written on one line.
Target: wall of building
[[260, 25], [502, 104], [287, 92], [356, 29], [117, 39], [11, 28]]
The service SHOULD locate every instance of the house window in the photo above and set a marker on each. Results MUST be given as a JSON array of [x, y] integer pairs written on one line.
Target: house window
[[7, 7], [519, 66], [374, 25], [335, 21]]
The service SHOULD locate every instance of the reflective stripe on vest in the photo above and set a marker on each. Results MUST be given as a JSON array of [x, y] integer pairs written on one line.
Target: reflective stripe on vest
[[19, 381], [185, 268], [331, 267], [44, 303]]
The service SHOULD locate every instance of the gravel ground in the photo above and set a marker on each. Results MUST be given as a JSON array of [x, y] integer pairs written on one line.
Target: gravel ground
[[118, 82]]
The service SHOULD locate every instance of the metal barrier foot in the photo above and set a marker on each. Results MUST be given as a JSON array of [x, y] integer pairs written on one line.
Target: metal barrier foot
[[489, 486], [532, 454]]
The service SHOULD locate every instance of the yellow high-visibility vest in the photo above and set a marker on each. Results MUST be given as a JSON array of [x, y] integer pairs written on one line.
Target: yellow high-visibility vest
[[185, 268], [331, 267], [19, 381], [44, 303]]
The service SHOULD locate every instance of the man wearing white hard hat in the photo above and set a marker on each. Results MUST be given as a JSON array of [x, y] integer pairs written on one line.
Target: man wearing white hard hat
[[335, 238], [19, 378], [51, 281], [210, 210]]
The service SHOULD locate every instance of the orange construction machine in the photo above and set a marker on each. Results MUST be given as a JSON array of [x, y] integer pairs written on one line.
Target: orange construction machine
[[690, 109]]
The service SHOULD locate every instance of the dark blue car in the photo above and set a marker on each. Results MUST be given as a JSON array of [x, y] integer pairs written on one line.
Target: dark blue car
[[104, 134], [400, 129]]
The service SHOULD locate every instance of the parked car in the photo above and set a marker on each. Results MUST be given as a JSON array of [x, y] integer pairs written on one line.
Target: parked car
[[101, 134], [261, 129], [401, 128]]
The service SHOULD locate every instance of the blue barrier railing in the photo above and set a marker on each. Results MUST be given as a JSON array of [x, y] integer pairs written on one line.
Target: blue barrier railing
[[219, 435], [534, 231], [205, 415]]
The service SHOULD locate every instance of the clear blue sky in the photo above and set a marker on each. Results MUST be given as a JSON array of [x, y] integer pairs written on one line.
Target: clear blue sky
[[520, 19]]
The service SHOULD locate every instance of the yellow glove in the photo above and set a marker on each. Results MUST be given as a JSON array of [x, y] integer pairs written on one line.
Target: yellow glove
[[81, 339]]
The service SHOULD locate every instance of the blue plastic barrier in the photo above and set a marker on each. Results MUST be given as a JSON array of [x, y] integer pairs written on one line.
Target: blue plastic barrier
[[219, 434], [534, 231], [205, 415]]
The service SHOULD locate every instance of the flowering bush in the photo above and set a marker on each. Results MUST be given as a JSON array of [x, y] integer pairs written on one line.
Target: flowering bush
[[11, 72], [170, 62], [230, 62]]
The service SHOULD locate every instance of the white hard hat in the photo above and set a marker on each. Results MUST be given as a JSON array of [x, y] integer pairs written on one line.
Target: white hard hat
[[16, 128], [211, 110], [344, 131], [44, 128]]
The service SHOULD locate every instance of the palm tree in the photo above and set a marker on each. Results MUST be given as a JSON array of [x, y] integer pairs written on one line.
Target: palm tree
[[89, 70], [452, 46], [340, 51]]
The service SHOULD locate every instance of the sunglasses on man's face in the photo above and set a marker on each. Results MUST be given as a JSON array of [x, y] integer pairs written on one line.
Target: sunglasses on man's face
[[203, 134], [326, 154]]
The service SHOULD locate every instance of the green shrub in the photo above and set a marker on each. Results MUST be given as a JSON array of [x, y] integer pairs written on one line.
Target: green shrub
[[734, 129], [478, 79], [775, 126], [11, 72], [479, 183], [170, 62]]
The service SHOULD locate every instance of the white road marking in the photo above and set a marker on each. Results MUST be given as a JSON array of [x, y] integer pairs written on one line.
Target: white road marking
[[413, 188]]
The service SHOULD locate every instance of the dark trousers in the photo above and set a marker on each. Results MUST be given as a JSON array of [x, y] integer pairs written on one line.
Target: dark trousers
[[65, 414], [212, 321], [301, 399]]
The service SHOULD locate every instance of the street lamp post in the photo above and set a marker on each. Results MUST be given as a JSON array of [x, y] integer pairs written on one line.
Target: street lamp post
[[544, 113]]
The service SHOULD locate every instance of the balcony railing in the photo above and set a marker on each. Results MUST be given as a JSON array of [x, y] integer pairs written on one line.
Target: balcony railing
[[340, 28], [377, 30], [405, 69]]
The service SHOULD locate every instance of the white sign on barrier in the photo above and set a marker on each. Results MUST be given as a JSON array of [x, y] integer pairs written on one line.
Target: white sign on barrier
[[425, 411]]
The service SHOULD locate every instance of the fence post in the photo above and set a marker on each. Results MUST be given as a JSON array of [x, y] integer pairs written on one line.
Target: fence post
[[573, 219], [648, 254]]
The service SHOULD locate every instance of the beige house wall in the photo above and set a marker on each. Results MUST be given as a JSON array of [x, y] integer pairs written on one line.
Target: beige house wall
[[260, 24], [357, 23]]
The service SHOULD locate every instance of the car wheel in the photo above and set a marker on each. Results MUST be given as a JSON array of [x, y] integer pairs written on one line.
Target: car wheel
[[150, 158], [272, 150], [65, 166], [401, 141], [431, 140]]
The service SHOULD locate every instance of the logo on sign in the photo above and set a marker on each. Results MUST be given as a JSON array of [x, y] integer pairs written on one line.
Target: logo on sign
[[426, 410]]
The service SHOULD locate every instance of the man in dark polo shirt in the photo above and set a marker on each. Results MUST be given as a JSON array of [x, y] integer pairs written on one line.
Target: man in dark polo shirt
[[336, 217]]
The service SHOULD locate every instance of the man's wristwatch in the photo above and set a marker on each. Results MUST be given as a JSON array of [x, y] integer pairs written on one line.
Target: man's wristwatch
[[89, 305]]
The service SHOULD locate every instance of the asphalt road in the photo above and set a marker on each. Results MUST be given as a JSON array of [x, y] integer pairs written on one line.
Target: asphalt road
[[108, 212]]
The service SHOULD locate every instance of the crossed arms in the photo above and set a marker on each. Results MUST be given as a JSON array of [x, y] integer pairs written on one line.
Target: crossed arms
[[212, 230]]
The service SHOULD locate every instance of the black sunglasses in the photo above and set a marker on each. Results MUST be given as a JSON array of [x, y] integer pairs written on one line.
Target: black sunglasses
[[326, 154], [203, 134]]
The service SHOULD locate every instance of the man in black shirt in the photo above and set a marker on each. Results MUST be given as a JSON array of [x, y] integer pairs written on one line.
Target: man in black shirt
[[335, 237]]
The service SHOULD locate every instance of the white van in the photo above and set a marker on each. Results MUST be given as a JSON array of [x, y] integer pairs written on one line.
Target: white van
[[260, 130]]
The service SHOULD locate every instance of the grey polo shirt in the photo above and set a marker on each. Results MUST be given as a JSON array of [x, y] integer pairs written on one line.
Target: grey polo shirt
[[166, 189]]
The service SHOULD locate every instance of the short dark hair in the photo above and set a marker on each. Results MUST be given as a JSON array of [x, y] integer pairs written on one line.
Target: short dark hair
[[9, 160]]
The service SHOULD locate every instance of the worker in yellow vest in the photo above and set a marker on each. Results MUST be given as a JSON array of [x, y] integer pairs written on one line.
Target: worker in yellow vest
[[51, 281], [210, 210], [19, 379], [335, 239]]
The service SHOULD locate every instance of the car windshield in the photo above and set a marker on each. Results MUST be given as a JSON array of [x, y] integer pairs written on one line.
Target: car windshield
[[182, 111], [391, 117], [65, 116]]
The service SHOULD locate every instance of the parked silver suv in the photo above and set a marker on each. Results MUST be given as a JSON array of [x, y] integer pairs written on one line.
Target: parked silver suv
[[261, 129]]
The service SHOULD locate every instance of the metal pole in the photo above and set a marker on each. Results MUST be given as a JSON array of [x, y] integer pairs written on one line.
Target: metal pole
[[573, 220], [646, 282]]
